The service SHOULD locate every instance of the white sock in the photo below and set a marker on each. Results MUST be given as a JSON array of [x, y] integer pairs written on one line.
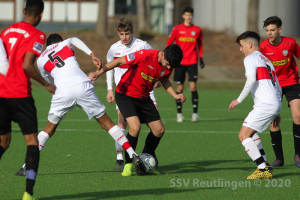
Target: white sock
[[253, 152], [118, 136], [119, 148], [42, 138], [258, 143]]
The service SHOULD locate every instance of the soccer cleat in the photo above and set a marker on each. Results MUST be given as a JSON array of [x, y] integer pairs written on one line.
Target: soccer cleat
[[27, 196], [297, 160], [262, 174], [268, 166], [154, 173], [278, 163], [119, 165], [127, 171], [179, 117], [21, 172], [195, 117], [139, 165]]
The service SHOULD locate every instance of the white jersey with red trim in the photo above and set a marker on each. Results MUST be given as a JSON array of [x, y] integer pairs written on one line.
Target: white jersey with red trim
[[266, 89], [58, 60]]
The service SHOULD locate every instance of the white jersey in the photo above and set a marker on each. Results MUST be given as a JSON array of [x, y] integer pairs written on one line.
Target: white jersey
[[58, 60], [3, 59]]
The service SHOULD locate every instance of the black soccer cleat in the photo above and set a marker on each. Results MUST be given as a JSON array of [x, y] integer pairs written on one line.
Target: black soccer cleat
[[119, 165], [21, 172], [139, 165]]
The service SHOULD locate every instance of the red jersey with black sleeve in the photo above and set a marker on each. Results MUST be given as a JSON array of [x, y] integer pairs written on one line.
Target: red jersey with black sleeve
[[143, 72], [189, 38], [18, 39], [282, 57]]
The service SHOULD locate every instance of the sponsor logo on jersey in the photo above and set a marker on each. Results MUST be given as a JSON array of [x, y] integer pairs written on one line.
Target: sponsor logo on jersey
[[149, 78], [130, 57], [37, 47], [141, 52], [182, 32], [193, 33], [284, 52], [162, 72], [187, 39], [269, 53], [117, 54], [150, 67], [280, 62]]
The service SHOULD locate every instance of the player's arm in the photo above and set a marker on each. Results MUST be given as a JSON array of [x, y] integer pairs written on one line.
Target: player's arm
[[200, 50], [168, 87], [110, 78], [172, 37], [46, 75], [29, 68], [3, 60]]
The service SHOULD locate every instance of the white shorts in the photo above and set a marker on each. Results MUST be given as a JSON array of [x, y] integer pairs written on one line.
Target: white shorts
[[260, 119], [82, 95]]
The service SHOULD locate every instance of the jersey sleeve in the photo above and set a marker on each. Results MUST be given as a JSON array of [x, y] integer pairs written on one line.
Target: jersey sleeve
[[46, 75], [36, 43], [3, 60], [172, 37], [80, 45], [110, 73], [297, 49], [147, 46]]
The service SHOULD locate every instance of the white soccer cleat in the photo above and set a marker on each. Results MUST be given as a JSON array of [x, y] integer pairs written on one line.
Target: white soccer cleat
[[195, 117], [179, 117]]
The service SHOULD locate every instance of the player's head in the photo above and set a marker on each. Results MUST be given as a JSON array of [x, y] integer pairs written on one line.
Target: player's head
[[125, 31], [172, 56], [53, 38], [249, 42], [187, 14], [273, 29], [34, 10]]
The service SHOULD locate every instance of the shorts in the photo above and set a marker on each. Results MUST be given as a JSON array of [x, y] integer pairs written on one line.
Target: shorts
[[144, 108], [82, 96], [179, 74], [21, 111], [291, 92], [259, 119]]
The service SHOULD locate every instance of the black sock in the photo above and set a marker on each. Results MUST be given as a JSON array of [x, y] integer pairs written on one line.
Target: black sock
[[276, 140], [151, 144], [195, 98], [179, 105], [133, 142], [32, 165], [296, 133], [2, 150]]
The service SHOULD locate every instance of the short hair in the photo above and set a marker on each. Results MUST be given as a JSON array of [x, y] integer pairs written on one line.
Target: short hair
[[247, 35], [273, 20], [173, 54], [188, 9], [125, 25], [53, 38], [34, 7]]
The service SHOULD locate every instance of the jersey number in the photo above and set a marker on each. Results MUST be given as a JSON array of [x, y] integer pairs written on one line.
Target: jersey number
[[12, 42], [271, 75], [60, 62]]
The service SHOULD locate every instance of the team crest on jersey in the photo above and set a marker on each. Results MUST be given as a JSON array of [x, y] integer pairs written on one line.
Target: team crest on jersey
[[193, 33], [162, 72], [130, 57], [141, 52], [37, 47], [284, 52], [42, 37]]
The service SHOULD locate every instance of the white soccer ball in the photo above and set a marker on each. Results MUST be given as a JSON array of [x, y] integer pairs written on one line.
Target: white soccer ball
[[149, 162]]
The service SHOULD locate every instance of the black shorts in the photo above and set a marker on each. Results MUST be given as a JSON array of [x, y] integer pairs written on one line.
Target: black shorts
[[291, 92], [144, 108], [179, 75], [19, 110]]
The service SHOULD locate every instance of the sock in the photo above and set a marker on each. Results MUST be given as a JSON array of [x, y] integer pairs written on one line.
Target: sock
[[195, 98], [42, 138], [118, 136], [258, 143], [253, 152], [2, 150], [32, 164], [151, 144], [276, 140], [133, 142], [119, 148], [296, 133], [179, 105]]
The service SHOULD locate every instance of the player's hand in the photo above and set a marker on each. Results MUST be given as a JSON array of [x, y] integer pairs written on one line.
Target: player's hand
[[157, 84], [181, 97], [276, 121], [51, 88], [233, 104], [110, 97], [201, 61], [93, 76]]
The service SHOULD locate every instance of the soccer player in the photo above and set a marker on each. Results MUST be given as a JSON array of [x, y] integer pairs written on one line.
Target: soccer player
[[74, 88], [3, 59], [126, 45], [266, 94], [281, 51], [189, 38], [22, 43], [146, 67]]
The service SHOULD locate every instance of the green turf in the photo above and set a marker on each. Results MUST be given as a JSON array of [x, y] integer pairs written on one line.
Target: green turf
[[203, 160]]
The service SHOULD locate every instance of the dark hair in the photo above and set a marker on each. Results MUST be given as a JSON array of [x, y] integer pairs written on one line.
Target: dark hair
[[124, 25], [248, 34], [273, 20], [53, 38], [34, 7], [173, 54], [188, 9]]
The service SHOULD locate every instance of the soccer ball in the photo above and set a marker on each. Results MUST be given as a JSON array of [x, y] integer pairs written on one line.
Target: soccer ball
[[149, 162]]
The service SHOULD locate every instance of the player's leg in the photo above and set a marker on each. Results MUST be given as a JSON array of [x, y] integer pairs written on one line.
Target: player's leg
[[258, 143], [276, 140], [193, 77], [179, 78], [5, 126], [295, 109], [119, 149], [4, 142]]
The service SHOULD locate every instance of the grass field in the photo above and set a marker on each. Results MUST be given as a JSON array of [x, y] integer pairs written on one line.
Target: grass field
[[203, 160]]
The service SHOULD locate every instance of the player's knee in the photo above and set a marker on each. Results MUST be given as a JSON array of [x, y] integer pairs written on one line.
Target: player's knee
[[134, 131], [5, 141], [296, 118], [159, 132]]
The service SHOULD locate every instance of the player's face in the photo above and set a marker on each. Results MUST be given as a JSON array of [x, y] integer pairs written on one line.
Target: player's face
[[273, 33], [244, 47], [187, 17], [125, 37]]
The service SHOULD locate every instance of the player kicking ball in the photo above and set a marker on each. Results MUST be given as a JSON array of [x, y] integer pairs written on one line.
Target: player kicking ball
[[266, 92], [74, 88]]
